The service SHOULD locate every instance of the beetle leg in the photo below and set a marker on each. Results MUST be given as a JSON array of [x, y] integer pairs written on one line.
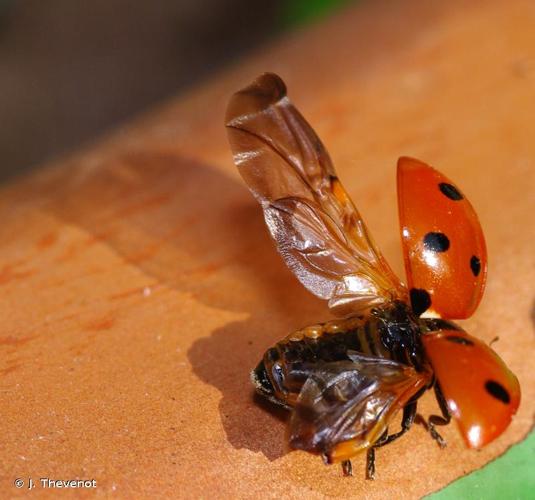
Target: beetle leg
[[370, 463], [347, 468], [409, 413], [437, 419], [370, 456]]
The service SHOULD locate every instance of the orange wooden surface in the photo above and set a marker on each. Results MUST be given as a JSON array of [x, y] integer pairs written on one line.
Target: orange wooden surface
[[139, 285]]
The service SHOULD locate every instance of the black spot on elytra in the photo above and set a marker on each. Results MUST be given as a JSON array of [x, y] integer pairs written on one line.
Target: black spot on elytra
[[475, 265], [450, 191], [436, 242], [420, 300], [459, 340], [498, 391]]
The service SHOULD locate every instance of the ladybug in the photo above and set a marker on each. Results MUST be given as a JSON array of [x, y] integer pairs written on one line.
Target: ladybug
[[345, 380]]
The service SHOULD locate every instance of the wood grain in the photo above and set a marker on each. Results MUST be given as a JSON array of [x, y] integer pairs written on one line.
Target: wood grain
[[139, 285]]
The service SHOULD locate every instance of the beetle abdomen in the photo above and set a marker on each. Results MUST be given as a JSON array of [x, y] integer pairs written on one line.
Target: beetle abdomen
[[286, 366]]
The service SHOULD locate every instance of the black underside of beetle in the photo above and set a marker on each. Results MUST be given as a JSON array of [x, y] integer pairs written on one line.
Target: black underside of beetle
[[391, 331]]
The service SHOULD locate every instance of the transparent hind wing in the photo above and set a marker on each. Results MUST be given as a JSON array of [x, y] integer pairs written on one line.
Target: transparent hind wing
[[318, 230], [345, 407]]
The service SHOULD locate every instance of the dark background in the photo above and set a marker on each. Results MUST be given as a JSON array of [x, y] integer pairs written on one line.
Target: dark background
[[71, 69]]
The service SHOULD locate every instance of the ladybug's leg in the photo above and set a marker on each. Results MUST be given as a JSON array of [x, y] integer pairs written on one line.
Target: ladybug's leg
[[439, 420], [347, 468], [436, 419], [370, 457], [409, 413], [370, 463]]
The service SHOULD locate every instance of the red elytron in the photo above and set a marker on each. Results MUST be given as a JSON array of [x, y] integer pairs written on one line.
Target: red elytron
[[344, 381], [443, 245]]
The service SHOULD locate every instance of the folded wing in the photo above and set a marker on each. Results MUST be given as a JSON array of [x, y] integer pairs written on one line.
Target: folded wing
[[345, 407]]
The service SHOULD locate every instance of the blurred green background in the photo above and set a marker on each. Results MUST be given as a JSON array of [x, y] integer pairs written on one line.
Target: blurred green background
[[509, 477]]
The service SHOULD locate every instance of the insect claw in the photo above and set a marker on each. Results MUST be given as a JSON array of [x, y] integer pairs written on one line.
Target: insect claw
[[442, 443], [438, 438], [430, 427]]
